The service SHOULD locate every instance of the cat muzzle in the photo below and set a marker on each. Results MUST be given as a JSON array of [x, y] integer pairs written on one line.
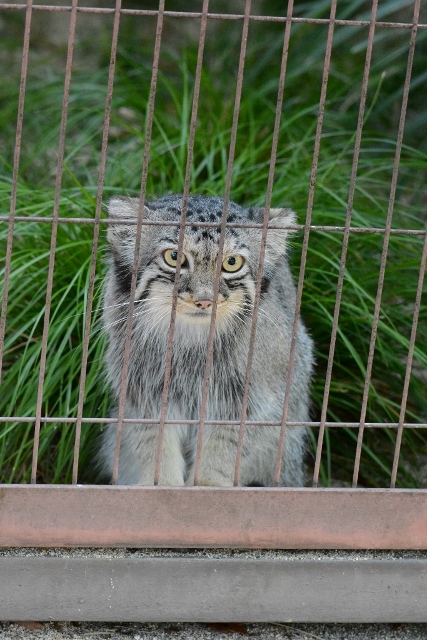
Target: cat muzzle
[[203, 304]]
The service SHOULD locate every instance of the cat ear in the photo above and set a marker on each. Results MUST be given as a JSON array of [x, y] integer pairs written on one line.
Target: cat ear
[[122, 208], [277, 217], [277, 239], [282, 218]]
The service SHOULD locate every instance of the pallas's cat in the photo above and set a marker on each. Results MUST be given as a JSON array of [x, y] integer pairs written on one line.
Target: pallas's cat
[[150, 326]]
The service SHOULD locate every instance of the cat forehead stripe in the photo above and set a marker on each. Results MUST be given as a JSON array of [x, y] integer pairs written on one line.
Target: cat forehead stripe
[[169, 239]]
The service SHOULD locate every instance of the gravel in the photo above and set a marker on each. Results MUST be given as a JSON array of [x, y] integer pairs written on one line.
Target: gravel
[[189, 631], [250, 554]]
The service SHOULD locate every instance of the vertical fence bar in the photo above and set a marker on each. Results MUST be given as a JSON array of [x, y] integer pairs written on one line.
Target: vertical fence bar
[[49, 286], [316, 151], [273, 156], [209, 355], [95, 242], [15, 176], [192, 133], [311, 200], [386, 242], [346, 235], [129, 323]]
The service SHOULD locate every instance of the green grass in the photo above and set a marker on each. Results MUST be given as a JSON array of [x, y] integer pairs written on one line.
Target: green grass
[[35, 196]]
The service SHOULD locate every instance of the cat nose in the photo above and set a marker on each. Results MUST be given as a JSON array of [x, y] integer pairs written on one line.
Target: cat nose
[[203, 304]]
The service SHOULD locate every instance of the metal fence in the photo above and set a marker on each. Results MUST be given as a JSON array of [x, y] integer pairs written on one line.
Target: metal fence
[[42, 515]]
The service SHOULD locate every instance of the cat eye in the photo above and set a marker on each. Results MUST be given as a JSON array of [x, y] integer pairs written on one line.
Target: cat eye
[[170, 256], [232, 264]]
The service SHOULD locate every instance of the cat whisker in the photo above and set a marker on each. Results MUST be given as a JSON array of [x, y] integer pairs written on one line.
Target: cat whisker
[[126, 304], [270, 318], [138, 314], [151, 311], [158, 321], [249, 307]]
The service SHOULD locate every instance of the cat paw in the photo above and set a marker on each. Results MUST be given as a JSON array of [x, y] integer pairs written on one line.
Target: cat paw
[[171, 482], [210, 483]]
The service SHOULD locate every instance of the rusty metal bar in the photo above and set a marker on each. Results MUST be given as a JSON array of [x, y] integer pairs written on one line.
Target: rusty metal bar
[[316, 151], [358, 138], [198, 517], [148, 133], [310, 203], [49, 284], [272, 168], [384, 254], [95, 241], [291, 360], [229, 225], [192, 134], [258, 423], [213, 16], [233, 136], [15, 175]]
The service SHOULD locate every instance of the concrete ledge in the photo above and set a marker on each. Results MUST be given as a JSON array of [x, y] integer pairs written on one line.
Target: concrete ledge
[[137, 587]]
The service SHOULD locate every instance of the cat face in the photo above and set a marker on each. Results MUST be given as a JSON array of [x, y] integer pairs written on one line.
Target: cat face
[[158, 260]]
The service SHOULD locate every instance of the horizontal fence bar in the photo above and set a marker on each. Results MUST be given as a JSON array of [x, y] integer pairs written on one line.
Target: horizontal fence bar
[[171, 223], [213, 16], [288, 589], [197, 517], [251, 423]]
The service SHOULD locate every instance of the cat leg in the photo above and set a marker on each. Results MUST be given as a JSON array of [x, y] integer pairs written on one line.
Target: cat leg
[[172, 464], [259, 465], [218, 457], [293, 472], [138, 449]]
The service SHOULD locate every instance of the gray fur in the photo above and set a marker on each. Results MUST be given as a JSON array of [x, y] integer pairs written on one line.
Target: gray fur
[[234, 315]]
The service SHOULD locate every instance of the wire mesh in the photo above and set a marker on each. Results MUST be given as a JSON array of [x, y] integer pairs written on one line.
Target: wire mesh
[[210, 17]]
